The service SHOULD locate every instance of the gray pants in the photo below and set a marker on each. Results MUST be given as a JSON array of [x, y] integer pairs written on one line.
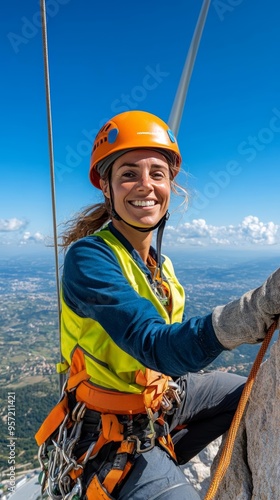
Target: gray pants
[[208, 407]]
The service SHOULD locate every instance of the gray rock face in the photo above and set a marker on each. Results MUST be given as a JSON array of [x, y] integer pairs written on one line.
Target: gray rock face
[[198, 469], [254, 470]]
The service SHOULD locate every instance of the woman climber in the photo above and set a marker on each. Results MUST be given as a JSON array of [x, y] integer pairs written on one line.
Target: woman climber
[[136, 403]]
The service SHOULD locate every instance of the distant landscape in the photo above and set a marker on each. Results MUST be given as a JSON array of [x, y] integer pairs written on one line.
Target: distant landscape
[[29, 330], [30, 349]]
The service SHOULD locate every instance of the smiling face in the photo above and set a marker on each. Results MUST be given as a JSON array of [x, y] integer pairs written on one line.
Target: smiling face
[[140, 183]]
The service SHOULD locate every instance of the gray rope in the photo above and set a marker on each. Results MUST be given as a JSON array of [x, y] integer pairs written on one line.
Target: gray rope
[[51, 157], [180, 98]]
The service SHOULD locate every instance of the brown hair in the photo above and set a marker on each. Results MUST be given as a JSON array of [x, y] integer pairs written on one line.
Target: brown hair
[[95, 216]]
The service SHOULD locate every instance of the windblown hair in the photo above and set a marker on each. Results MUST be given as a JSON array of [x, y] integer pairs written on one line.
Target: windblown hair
[[88, 220], [95, 216]]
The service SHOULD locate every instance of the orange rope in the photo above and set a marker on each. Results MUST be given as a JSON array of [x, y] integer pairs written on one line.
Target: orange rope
[[229, 444]]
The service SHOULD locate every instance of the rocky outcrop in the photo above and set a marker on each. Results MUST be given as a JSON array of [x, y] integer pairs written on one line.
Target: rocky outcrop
[[254, 470], [198, 469]]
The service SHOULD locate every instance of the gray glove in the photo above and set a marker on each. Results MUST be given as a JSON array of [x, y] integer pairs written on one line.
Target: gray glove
[[246, 320]]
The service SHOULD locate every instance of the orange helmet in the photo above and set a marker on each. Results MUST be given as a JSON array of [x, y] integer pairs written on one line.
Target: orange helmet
[[126, 131]]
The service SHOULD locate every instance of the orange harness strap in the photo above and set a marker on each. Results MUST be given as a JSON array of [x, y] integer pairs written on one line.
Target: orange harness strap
[[52, 421], [111, 431], [74, 380], [59, 411], [98, 491], [116, 475], [95, 491], [166, 441], [103, 400], [120, 403]]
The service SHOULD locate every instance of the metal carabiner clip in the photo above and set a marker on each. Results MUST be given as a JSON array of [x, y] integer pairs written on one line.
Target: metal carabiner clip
[[76, 491], [150, 437], [139, 448]]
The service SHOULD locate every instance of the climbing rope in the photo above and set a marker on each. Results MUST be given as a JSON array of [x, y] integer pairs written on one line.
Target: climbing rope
[[51, 158], [229, 443]]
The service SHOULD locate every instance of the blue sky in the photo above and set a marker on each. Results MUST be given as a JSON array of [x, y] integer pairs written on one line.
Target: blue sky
[[107, 57]]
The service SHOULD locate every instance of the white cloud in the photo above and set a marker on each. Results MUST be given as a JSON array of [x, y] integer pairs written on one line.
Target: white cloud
[[28, 237], [250, 231], [13, 224], [14, 233]]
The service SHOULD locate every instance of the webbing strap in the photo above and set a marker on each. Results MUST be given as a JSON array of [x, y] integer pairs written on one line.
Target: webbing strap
[[52, 422], [95, 491], [105, 401], [111, 431], [167, 443], [120, 467], [76, 379]]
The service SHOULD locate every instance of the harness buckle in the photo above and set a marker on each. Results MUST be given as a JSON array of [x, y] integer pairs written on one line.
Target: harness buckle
[[151, 437], [139, 448]]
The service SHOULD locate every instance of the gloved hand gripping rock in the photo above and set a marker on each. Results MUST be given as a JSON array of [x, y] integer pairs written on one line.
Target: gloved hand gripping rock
[[246, 320]]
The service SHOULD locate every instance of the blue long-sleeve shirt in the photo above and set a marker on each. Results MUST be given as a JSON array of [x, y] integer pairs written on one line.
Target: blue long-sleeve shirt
[[94, 287]]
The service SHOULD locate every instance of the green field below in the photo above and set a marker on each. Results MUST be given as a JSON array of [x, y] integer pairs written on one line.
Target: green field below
[[33, 399]]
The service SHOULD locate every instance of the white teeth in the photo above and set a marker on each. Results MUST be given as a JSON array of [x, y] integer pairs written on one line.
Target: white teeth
[[148, 203]]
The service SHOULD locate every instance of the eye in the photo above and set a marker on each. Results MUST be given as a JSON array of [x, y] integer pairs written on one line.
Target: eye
[[128, 174], [158, 175]]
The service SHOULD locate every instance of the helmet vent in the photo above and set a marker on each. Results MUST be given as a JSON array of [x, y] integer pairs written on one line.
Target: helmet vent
[[97, 144]]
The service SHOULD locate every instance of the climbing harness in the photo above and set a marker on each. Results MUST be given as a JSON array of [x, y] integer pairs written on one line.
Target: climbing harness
[[88, 442], [229, 443], [87, 452]]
